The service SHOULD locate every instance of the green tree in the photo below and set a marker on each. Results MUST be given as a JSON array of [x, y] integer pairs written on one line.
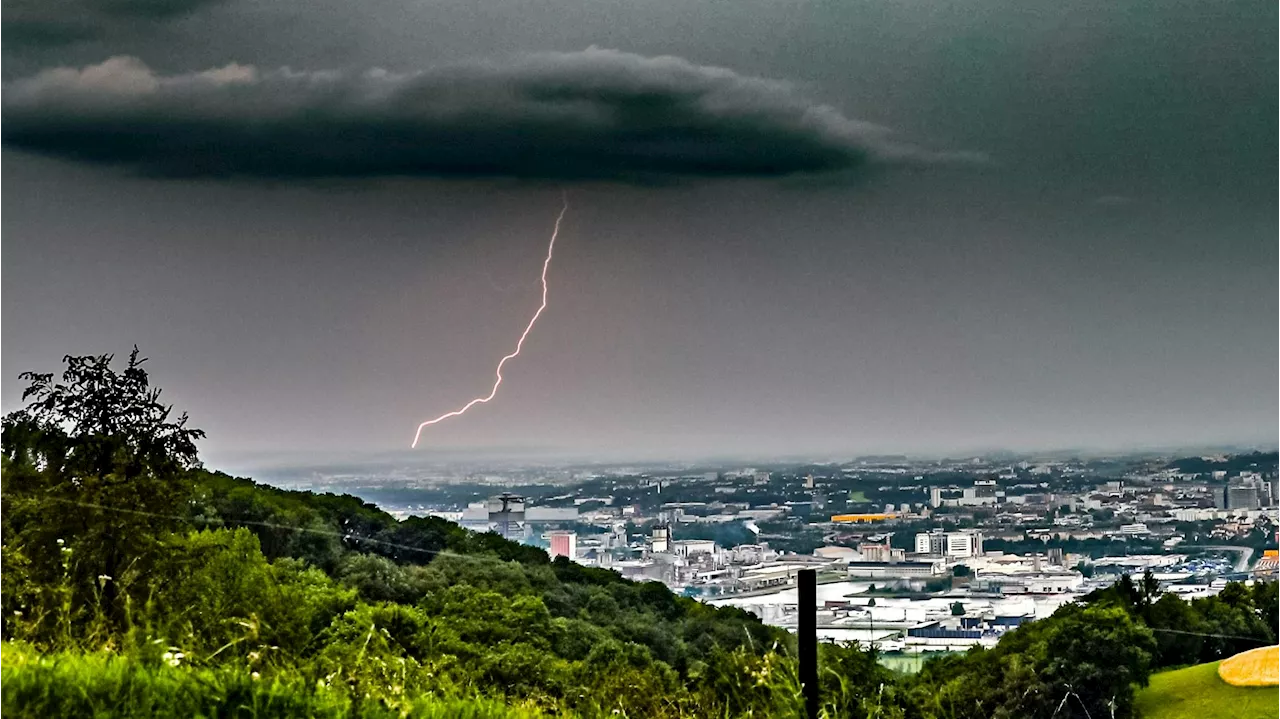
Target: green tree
[[1097, 656], [214, 589], [1184, 643], [1080, 662], [1149, 588], [96, 470]]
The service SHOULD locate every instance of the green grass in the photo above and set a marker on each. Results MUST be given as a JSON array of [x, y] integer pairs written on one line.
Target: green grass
[[1197, 693], [106, 685]]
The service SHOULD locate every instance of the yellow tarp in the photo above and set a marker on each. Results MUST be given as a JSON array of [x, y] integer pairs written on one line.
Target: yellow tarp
[[1254, 668]]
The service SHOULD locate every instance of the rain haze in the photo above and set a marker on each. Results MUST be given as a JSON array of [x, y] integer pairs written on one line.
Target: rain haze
[[793, 226]]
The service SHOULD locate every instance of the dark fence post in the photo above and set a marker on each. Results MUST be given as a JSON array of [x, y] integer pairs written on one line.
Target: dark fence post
[[807, 636]]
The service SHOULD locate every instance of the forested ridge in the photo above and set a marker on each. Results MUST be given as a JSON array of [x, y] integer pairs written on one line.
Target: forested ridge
[[138, 583]]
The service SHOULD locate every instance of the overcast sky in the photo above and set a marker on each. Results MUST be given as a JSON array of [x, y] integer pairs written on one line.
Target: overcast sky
[[794, 225]]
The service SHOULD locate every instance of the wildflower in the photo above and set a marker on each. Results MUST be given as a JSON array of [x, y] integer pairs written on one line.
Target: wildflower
[[104, 577], [60, 542], [172, 657], [255, 676]]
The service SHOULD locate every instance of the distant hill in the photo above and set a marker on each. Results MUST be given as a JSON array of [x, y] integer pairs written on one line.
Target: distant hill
[[1234, 464], [1197, 693]]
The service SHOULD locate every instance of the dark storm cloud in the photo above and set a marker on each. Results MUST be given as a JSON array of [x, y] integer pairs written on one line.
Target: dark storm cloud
[[58, 22], [596, 114]]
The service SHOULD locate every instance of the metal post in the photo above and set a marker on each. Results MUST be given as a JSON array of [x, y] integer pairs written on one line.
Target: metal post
[[807, 635]]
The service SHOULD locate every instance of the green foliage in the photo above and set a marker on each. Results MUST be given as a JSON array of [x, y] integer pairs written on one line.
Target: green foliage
[[1083, 661], [1202, 630], [378, 579], [95, 439], [220, 594]]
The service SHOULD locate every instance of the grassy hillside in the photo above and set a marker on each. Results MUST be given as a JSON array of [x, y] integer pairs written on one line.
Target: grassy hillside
[[1197, 693], [101, 684]]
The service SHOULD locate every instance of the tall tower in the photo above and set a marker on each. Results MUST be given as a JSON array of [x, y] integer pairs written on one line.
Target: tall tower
[[506, 515]]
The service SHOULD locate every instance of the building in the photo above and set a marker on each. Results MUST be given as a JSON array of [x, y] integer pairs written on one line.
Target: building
[[1220, 497], [1044, 582], [660, 539], [964, 544], [563, 544], [880, 552], [690, 547], [819, 500], [937, 543], [978, 495], [506, 515], [476, 517], [935, 497], [858, 518], [841, 554], [931, 543], [1266, 568], [778, 575], [548, 515], [896, 569], [1243, 496], [759, 553], [618, 536]]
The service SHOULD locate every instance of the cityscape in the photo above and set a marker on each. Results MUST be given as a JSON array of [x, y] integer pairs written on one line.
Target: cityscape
[[661, 359], [912, 555]]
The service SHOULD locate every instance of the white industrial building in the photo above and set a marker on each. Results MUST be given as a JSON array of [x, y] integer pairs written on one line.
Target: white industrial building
[[962, 544]]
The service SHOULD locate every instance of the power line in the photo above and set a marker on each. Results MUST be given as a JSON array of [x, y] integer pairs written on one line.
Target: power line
[[1204, 634], [345, 536]]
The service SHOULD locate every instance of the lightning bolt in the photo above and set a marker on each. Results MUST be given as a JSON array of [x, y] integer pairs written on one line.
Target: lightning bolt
[[546, 264]]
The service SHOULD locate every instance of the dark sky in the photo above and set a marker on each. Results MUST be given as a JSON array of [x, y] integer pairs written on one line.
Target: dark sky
[[817, 226]]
